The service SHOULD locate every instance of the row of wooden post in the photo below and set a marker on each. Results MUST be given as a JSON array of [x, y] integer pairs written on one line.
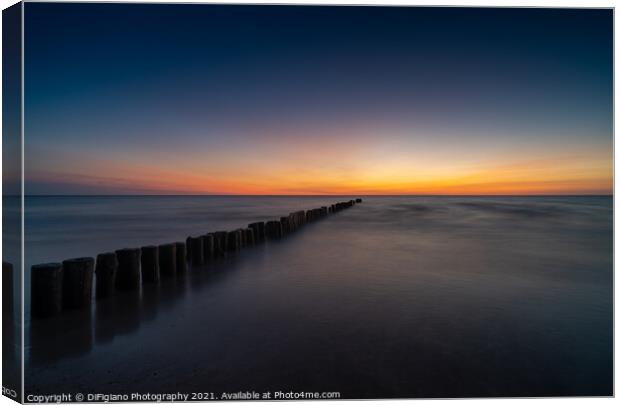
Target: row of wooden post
[[68, 285]]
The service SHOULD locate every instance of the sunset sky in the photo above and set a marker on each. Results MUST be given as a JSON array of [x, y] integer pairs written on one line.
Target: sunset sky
[[197, 99]]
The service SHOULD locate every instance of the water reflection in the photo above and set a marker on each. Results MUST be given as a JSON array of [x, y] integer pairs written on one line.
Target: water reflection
[[71, 333], [68, 335]]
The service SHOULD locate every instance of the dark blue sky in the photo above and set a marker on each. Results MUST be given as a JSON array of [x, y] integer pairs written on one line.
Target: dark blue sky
[[117, 91]]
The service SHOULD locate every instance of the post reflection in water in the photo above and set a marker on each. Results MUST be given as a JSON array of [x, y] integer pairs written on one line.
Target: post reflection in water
[[73, 333]]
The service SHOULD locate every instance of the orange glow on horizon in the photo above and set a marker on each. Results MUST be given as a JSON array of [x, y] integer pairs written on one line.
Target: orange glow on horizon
[[507, 180], [337, 167]]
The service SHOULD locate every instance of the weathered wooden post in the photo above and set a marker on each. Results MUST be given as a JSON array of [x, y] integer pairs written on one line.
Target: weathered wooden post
[[242, 241], [301, 217], [105, 271], [221, 238], [298, 219], [128, 274], [216, 247], [273, 229], [291, 222], [233, 242], [168, 260], [208, 246], [358, 200], [45, 290], [249, 236], [181, 255], [259, 231], [77, 282], [244, 237], [197, 251], [188, 245], [285, 225], [292, 219], [150, 264]]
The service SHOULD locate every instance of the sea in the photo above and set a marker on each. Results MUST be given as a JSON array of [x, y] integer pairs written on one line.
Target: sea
[[396, 297]]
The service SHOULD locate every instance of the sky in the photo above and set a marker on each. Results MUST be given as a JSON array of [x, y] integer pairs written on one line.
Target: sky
[[216, 99]]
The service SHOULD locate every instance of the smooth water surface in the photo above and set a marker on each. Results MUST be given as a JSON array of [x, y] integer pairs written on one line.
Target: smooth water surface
[[395, 297]]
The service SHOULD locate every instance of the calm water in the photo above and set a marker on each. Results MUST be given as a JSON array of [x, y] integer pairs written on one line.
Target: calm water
[[395, 297]]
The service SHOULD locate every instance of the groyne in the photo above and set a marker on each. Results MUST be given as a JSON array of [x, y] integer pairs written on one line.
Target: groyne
[[57, 287]]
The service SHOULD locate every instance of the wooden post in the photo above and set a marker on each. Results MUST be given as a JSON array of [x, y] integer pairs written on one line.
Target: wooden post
[[296, 220], [358, 200], [285, 225], [208, 246], [195, 246], [249, 236], [233, 241], [45, 290], [273, 229], [292, 224], [259, 231], [105, 271], [168, 260], [221, 238], [77, 282], [188, 246], [300, 218], [181, 254], [150, 264], [128, 274], [293, 219], [242, 239]]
